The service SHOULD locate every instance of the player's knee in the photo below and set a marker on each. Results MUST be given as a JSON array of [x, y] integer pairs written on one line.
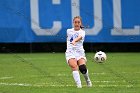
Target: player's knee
[[83, 69]]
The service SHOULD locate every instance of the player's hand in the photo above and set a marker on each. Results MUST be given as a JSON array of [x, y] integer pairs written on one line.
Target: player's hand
[[73, 42]]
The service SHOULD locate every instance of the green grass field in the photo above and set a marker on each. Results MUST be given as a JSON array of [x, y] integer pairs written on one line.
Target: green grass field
[[49, 73]]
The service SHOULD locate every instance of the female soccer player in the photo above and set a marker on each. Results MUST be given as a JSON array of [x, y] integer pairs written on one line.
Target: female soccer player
[[75, 53]]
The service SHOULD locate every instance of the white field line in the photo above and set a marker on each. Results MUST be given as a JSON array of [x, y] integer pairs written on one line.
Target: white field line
[[33, 85], [111, 85], [66, 75], [6, 77], [104, 73], [63, 74], [107, 81], [58, 85], [15, 84]]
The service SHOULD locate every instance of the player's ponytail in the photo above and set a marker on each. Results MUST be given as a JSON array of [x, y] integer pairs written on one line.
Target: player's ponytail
[[82, 27]]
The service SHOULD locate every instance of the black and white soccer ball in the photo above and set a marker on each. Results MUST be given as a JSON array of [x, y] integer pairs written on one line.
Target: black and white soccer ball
[[100, 57]]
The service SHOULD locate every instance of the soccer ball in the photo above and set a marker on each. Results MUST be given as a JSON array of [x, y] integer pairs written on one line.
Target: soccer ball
[[100, 57]]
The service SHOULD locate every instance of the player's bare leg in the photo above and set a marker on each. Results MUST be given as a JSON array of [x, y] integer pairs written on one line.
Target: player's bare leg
[[84, 71], [74, 66]]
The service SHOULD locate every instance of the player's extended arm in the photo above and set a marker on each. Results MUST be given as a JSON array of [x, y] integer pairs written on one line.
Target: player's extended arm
[[76, 40]]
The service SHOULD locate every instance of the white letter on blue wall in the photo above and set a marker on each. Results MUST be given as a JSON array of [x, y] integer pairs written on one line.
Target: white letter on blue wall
[[117, 30], [97, 15], [57, 25], [98, 25], [75, 8]]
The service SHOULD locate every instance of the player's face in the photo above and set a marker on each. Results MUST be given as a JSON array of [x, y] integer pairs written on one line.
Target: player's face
[[77, 23]]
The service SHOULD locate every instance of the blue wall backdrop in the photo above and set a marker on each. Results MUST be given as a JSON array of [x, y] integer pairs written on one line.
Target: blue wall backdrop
[[47, 20]]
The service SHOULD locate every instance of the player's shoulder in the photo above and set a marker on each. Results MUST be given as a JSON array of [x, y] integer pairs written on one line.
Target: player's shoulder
[[70, 29], [82, 31]]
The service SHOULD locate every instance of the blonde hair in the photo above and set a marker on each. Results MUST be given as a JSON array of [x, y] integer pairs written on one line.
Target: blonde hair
[[77, 17], [80, 20]]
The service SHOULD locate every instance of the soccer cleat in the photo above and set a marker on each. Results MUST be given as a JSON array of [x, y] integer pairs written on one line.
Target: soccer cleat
[[79, 86], [89, 84]]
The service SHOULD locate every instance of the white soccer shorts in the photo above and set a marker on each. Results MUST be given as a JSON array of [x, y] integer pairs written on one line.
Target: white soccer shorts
[[75, 54]]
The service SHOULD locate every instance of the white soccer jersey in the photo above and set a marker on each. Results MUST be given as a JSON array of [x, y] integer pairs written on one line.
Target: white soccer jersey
[[75, 51], [71, 35]]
